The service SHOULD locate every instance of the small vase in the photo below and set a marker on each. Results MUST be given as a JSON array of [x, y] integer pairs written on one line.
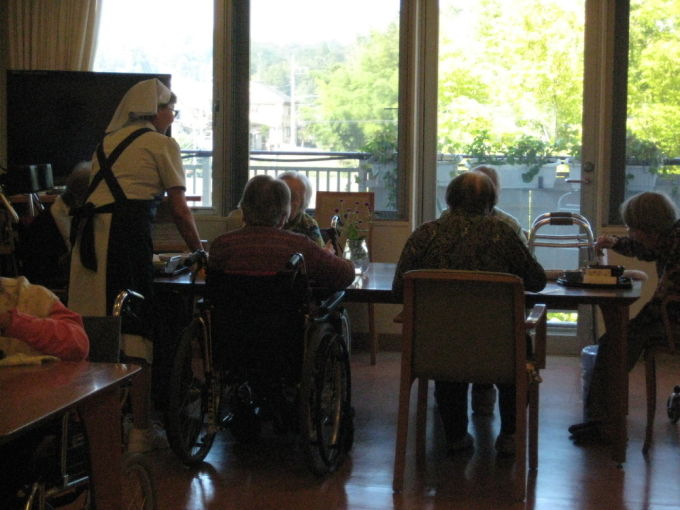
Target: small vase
[[356, 250]]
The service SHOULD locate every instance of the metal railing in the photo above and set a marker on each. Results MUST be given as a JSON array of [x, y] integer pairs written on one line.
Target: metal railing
[[342, 171]]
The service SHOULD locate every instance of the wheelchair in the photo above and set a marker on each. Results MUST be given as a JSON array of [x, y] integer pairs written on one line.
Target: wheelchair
[[263, 347], [54, 471]]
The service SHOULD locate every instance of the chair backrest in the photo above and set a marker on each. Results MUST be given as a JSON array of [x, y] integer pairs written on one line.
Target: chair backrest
[[257, 317], [104, 335], [337, 203], [464, 325]]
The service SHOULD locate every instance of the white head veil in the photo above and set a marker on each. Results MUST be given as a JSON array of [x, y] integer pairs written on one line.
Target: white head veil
[[142, 99]]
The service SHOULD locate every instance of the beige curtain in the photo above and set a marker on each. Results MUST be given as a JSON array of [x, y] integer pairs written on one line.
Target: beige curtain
[[52, 34]]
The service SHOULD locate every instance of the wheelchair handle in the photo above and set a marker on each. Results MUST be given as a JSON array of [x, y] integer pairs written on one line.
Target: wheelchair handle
[[297, 262], [121, 300]]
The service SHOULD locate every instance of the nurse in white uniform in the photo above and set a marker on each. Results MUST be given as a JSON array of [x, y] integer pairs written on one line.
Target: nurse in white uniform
[[131, 169]]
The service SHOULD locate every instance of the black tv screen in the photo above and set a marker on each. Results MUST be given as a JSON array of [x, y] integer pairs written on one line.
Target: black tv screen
[[59, 117]]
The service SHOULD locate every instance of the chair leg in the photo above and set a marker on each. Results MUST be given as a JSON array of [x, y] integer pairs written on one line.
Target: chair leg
[[650, 380], [521, 417], [372, 333], [402, 434], [533, 426]]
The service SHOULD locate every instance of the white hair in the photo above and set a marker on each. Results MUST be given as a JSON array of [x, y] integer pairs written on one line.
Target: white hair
[[291, 174]]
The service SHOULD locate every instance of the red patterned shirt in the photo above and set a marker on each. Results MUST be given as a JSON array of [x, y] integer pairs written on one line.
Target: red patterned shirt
[[268, 249]]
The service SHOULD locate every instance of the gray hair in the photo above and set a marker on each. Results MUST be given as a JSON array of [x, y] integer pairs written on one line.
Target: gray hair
[[471, 192], [650, 211], [305, 182], [490, 172], [265, 201]]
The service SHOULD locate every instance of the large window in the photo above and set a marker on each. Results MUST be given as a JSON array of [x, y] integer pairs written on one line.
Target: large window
[[170, 37], [653, 122], [324, 93], [510, 96]]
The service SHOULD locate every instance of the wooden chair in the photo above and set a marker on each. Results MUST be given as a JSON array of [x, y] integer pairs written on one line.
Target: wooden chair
[[332, 203], [470, 326], [672, 331]]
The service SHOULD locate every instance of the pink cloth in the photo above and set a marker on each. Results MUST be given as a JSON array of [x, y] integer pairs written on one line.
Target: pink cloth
[[267, 249], [60, 334]]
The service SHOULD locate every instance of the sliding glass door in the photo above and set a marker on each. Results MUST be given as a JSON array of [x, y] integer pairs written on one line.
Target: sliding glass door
[[510, 89]]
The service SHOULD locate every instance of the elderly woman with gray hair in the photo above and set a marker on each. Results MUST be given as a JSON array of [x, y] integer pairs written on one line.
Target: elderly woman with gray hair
[[300, 195], [299, 221], [653, 235]]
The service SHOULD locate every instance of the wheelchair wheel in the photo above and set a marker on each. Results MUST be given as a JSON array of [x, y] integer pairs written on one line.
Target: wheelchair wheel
[[326, 418], [346, 328], [191, 417], [137, 491]]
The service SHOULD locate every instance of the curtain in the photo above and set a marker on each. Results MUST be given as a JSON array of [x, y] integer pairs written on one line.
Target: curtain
[[52, 34]]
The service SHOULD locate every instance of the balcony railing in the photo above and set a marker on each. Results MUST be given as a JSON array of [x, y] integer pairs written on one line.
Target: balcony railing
[[327, 171], [198, 172], [341, 171]]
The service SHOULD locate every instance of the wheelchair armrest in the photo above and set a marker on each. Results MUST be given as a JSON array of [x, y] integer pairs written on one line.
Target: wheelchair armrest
[[329, 304], [536, 321]]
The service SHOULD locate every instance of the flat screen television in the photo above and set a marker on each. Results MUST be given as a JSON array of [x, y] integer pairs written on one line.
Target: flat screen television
[[59, 117]]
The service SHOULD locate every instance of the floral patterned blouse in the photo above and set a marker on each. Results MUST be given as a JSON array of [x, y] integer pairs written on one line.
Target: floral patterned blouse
[[307, 226], [667, 257], [468, 242]]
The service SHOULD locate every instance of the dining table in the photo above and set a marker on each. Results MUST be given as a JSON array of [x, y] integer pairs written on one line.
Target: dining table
[[374, 285], [33, 395]]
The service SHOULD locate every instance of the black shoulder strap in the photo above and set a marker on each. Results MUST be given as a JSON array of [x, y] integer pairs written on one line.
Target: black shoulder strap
[[105, 164]]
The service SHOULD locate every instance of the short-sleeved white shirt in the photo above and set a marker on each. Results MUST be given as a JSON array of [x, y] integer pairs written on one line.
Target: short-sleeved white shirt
[[145, 169]]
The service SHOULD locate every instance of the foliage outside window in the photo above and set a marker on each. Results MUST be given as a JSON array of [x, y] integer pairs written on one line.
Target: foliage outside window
[[653, 121], [338, 94]]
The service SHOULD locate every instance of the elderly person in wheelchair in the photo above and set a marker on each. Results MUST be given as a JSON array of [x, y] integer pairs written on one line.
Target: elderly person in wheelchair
[[263, 245], [272, 346]]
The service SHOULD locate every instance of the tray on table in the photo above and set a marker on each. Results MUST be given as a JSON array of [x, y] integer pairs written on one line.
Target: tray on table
[[623, 283]]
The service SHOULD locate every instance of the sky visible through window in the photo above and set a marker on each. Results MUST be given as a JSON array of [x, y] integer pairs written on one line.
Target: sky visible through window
[[170, 37], [306, 21]]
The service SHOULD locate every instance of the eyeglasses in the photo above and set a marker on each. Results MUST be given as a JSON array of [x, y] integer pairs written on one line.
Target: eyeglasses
[[175, 113]]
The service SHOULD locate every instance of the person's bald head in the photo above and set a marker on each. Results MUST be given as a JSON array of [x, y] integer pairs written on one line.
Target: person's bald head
[[471, 192], [490, 172]]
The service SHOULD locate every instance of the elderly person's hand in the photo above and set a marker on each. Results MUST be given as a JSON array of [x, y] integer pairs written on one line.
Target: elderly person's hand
[[605, 242]]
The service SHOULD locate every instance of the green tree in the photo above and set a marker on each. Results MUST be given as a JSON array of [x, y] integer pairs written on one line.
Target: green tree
[[357, 97], [510, 69], [653, 79]]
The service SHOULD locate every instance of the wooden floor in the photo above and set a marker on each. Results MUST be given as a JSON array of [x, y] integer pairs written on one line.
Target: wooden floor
[[272, 475]]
